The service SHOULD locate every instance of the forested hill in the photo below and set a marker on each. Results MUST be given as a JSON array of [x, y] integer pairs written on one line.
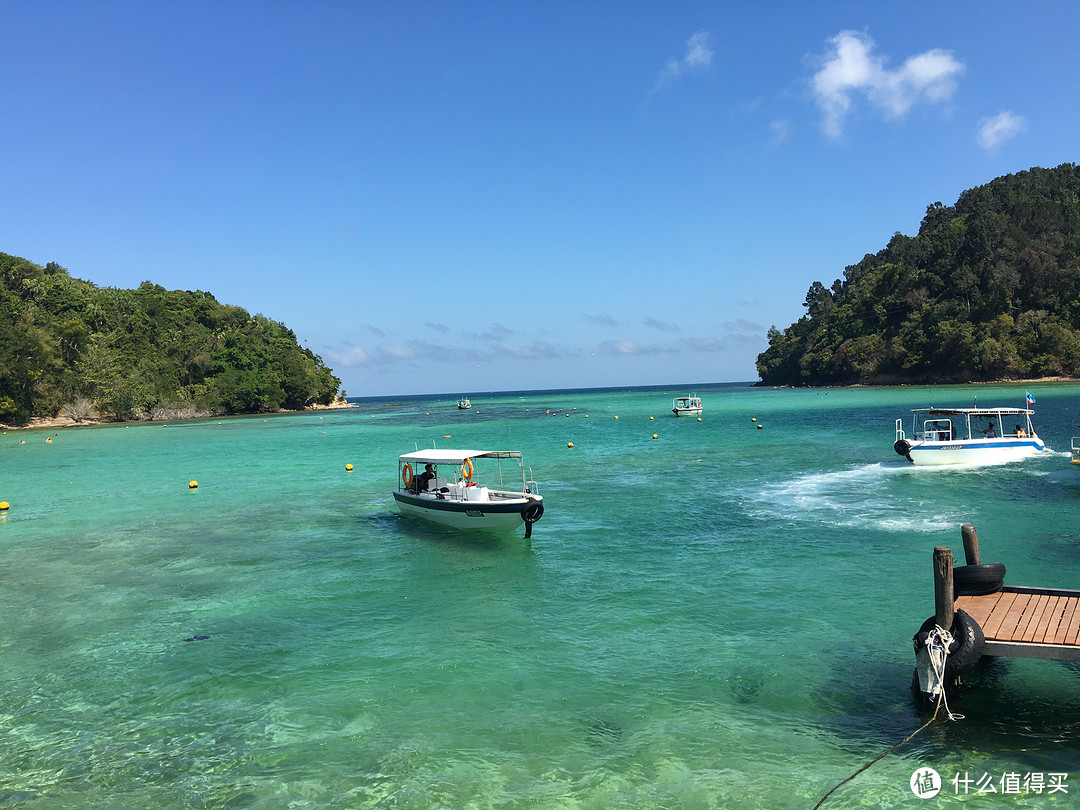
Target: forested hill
[[988, 290], [68, 346]]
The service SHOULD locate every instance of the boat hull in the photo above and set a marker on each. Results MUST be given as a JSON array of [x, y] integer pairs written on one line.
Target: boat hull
[[502, 515], [976, 451]]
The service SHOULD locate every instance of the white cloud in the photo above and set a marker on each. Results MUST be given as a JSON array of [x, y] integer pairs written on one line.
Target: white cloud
[[348, 356], [781, 131], [396, 352], [851, 68], [698, 57], [995, 131], [538, 350], [622, 347]]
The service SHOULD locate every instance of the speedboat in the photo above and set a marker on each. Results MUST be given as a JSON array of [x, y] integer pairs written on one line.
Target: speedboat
[[686, 406], [942, 436], [463, 404], [469, 489]]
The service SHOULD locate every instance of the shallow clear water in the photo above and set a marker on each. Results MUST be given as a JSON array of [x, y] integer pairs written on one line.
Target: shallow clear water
[[719, 617]]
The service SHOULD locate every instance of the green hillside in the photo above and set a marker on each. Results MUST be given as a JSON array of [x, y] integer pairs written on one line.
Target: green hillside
[[69, 346], [989, 289]]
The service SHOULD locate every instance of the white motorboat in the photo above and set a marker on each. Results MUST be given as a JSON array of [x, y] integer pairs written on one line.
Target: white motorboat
[[686, 406], [463, 404], [469, 489], [941, 436]]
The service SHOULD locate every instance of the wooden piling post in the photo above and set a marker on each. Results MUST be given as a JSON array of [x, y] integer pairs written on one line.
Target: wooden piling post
[[943, 587], [971, 544]]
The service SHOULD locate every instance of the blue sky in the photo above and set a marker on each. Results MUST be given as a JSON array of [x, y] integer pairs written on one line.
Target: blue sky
[[482, 196]]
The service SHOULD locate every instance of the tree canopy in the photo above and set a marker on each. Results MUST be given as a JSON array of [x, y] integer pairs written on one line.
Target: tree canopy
[[989, 289], [126, 353]]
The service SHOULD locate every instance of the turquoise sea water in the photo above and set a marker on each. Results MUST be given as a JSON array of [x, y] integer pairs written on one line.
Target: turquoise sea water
[[717, 618]]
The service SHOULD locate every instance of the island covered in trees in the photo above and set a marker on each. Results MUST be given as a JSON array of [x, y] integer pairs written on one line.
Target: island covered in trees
[[70, 347], [988, 290]]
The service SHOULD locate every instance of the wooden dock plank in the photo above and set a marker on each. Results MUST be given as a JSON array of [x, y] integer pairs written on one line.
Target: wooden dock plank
[[1001, 606], [1068, 616], [1072, 634], [1050, 619], [1032, 615], [1033, 622], [1013, 619]]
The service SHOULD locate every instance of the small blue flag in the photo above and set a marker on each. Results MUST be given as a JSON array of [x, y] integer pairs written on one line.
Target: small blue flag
[[1030, 399]]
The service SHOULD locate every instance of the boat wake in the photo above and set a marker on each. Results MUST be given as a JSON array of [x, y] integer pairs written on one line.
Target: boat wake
[[862, 496]]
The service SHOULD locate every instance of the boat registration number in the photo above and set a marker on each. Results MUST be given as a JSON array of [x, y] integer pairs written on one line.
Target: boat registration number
[[473, 513]]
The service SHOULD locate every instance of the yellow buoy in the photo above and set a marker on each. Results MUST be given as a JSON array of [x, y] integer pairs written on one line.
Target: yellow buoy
[[569, 444], [699, 418], [655, 436], [193, 484], [5, 505], [348, 467], [651, 418], [753, 418], [616, 417], [759, 427]]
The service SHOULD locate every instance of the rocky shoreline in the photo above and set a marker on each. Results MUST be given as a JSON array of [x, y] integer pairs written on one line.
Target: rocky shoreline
[[45, 422]]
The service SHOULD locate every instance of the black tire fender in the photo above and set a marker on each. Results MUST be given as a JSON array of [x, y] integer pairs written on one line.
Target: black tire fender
[[533, 512], [978, 580], [902, 447], [967, 643]]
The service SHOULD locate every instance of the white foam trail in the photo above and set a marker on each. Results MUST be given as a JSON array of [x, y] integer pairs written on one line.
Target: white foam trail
[[856, 497]]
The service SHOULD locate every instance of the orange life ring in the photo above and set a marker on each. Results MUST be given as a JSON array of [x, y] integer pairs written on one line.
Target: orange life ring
[[406, 475], [467, 469]]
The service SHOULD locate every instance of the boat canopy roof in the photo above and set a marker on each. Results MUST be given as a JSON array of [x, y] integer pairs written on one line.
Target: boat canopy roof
[[440, 456], [973, 411]]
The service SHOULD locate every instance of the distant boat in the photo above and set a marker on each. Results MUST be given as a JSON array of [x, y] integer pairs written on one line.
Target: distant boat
[[686, 406], [469, 489], [941, 436], [464, 404]]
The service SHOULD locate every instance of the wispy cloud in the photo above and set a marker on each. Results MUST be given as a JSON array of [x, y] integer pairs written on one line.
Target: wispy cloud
[[602, 320], [661, 326], [698, 57], [348, 356], [623, 347], [537, 351], [780, 130], [851, 68], [996, 130]]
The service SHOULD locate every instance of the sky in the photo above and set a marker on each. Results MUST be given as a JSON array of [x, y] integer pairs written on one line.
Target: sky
[[462, 197]]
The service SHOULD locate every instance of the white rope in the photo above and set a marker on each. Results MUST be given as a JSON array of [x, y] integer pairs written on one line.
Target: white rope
[[937, 643]]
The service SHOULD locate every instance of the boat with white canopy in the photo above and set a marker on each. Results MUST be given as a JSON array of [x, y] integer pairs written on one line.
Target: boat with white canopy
[[941, 436], [469, 489], [686, 406]]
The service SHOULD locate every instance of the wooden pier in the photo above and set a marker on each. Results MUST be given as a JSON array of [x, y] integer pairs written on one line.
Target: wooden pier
[[1016, 621], [1027, 622]]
